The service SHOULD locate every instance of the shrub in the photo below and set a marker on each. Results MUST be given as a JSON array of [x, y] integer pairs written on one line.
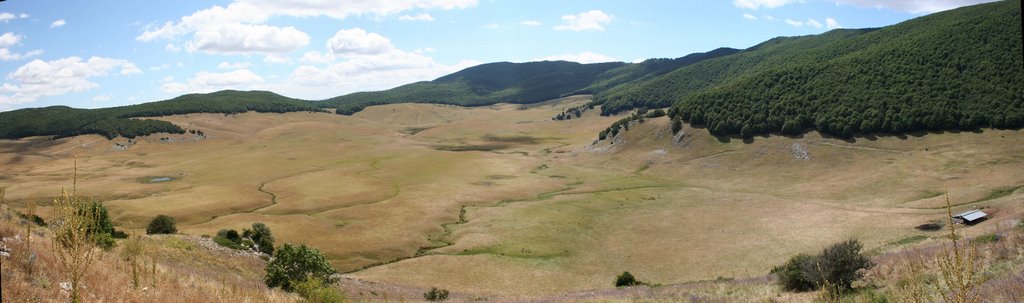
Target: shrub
[[293, 264], [798, 274], [436, 294], [104, 241], [225, 242], [230, 234], [837, 266], [677, 125], [313, 290], [162, 224], [626, 279], [261, 236], [119, 234]]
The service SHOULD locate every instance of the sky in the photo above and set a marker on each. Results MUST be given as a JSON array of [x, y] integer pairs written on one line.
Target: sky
[[103, 53]]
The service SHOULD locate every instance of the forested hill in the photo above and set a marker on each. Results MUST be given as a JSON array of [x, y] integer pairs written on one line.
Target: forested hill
[[521, 83], [485, 84], [959, 69], [63, 121]]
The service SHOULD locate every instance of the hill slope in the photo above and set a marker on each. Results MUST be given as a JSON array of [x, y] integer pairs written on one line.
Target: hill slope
[[63, 121], [959, 69]]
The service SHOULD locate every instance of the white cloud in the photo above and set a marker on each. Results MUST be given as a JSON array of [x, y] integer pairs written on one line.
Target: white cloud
[[58, 23], [530, 23], [208, 82], [491, 26], [584, 57], [589, 20], [768, 17], [52, 78], [356, 41], [160, 67], [277, 59], [102, 98], [4, 17], [420, 17], [832, 23], [749, 16], [172, 48], [316, 57], [914, 6], [236, 38], [794, 23], [756, 4], [23, 15], [813, 23], [236, 65], [9, 39], [239, 27]]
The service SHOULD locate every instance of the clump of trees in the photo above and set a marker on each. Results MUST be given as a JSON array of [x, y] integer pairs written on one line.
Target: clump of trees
[[836, 267], [162, 224], [626, 279], [259, 238], [435, 294], [639, 116]]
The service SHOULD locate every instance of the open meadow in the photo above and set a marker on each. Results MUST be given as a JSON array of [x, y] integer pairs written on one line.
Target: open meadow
[[502, 200]]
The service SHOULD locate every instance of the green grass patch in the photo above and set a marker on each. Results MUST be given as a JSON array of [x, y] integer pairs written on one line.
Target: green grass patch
[[224, 242], [175, 242], [986, 238], [910, 240], [999, 193], [512, 139], [925, 194]]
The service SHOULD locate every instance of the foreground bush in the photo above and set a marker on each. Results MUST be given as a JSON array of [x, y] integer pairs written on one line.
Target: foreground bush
[[837, 266], [261, 236], [162, 224], [626, 279], [292, 265], [314, 291]]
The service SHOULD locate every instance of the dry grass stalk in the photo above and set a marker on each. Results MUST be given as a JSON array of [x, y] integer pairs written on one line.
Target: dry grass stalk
[[72, 238], [914, 290], [958, 265], [131, 251]]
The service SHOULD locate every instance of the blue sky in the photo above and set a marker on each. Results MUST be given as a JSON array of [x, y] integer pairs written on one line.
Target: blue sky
[[106, 53]]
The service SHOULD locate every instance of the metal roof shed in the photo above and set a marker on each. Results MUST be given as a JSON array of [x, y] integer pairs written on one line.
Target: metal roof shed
[[970, 217]]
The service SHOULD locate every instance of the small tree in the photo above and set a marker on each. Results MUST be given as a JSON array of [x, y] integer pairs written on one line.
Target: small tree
[[162, 224], [626, 279], [436, 294], [798, 274], [841, 264], [677, 125], [261, 236], [293, 264]]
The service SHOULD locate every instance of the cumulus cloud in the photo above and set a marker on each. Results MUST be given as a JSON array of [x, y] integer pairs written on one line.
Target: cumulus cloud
[[5, 16], [7, 40], [356, 41], [420, 17], [832, 23], [52, 78], [813, 23], [530, 23], [584, 57], [749, 16], [208, 82], [589, 20], [172, 48], [794, 23], [236, 38], [58, 23], [239, 27]]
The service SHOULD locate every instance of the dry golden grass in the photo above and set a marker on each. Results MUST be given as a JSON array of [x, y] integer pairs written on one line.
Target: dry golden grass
[[543, 212]]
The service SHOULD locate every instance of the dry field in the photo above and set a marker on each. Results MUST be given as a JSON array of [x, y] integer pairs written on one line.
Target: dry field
[[502, 200]]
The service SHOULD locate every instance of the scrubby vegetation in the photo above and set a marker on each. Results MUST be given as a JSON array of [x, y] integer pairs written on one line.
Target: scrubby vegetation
[[435, 294], [292, 265], [161, 224], [838, 266], [626, 279]]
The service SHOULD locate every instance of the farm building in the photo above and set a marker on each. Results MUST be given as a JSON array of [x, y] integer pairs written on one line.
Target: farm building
[[970, 217]]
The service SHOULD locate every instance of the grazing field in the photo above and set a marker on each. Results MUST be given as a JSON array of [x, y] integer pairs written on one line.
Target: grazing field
[[502, 200]]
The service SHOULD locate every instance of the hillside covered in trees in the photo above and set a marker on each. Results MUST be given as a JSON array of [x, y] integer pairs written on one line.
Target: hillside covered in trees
[[63, 121], [960, 69]]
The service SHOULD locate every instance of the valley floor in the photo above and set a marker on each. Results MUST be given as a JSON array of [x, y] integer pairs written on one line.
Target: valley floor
[[503, 201]]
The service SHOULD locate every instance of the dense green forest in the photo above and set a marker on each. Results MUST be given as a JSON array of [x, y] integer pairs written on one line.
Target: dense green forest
[[960, 69], [63, 121], [485, 84]]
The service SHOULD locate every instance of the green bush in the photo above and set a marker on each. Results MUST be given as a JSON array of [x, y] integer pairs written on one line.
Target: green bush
[[838, 265], [225, 242], [230, 234], [292, 265], [626, 279], [162, 224], [313, 290], [104, 241], [261, 236], [436, 294]]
